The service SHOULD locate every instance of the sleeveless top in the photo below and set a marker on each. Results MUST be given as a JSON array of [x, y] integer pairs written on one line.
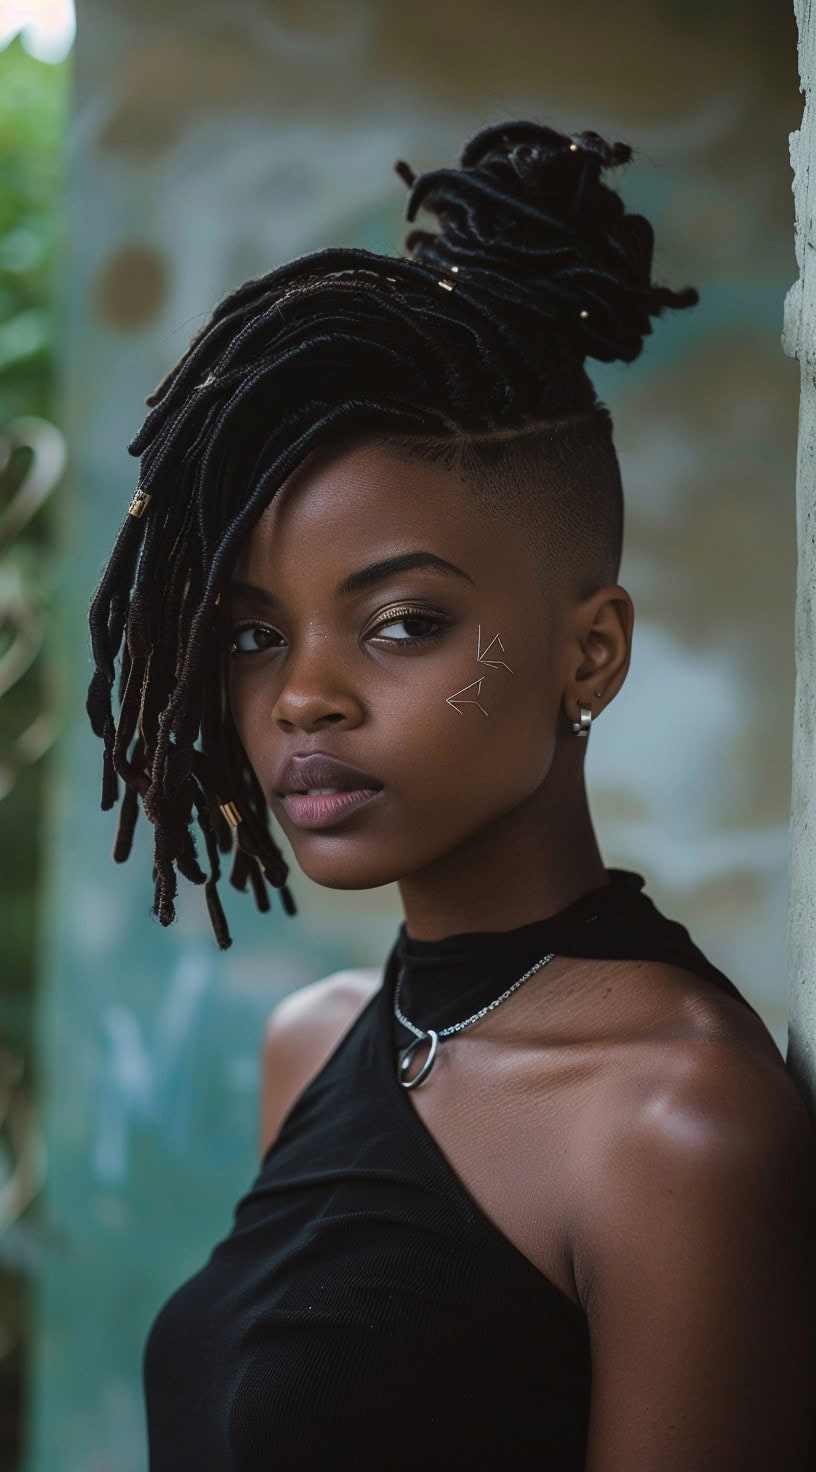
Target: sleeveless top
[[362, 1311]]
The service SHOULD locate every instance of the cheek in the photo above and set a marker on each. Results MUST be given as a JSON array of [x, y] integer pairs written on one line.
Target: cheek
[[241, 695], [482, 737]]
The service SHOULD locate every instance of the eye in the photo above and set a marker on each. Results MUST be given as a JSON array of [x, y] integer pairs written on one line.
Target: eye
[[409, 618], [251, 639]]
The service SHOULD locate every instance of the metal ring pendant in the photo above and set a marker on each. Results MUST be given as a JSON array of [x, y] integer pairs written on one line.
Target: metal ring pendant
[[408, 1055]]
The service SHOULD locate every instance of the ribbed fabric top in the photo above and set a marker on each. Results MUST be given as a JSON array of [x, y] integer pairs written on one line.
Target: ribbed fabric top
[[363, 1312]]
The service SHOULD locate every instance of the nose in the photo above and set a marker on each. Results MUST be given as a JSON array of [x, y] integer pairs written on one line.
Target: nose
[[317, 689]]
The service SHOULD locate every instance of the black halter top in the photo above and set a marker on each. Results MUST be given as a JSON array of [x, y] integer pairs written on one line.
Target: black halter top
[[362, 1311]]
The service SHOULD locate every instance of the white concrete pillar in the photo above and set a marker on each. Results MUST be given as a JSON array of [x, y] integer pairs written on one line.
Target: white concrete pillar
[[799, 340]]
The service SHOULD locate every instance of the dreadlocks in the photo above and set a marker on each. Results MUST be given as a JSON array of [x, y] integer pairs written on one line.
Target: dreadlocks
[[470, 349]]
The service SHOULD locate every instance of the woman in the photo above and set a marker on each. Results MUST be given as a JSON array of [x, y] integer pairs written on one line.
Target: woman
[[539, 1194]]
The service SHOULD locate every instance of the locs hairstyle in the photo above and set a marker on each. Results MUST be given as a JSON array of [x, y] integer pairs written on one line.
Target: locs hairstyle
[[469, 348]]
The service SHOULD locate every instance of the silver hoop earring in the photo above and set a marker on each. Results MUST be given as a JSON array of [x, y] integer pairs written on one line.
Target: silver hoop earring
[[581, 727]]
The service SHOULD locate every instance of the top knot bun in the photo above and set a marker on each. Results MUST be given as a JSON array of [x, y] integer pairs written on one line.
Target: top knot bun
[[526, 218]]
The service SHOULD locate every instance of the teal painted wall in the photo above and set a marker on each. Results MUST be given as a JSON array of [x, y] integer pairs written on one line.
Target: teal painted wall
[[209, 143]]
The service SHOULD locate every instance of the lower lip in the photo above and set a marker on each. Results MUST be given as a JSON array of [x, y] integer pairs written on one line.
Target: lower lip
[[321, 810]]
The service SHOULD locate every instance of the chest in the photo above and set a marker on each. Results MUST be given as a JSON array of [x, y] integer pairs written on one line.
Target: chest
[[511, 1126], [359, 1308], [522, 1105]]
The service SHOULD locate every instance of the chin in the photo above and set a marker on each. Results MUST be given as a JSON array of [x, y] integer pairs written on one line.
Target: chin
[[348, 871]]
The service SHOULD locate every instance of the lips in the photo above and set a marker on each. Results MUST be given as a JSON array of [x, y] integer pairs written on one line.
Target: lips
[[324, 810], [350, 789], [310, 770]]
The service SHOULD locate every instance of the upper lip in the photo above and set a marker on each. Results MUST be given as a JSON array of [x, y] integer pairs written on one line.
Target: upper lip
[[316, 769]]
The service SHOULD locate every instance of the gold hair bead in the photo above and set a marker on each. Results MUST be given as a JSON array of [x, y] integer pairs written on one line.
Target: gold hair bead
[[231, 813], [446, 285], [454, 268], [573, 148], [217, 600], [585, 313], [139, 504]]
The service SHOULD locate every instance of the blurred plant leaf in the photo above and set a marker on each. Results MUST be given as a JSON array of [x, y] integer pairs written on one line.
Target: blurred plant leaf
[[23, 336]]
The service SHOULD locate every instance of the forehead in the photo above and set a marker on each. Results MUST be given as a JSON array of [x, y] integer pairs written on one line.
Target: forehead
[[348, 506]]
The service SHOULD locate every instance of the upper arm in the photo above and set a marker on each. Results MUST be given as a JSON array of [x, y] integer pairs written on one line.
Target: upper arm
[[300, 1035], [696, 1265]]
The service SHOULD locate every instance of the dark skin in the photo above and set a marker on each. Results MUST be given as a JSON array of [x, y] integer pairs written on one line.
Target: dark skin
[[631, 1129], [483, 820]]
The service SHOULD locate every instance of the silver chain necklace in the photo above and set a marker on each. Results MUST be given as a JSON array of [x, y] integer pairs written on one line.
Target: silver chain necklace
[[430, 1035]]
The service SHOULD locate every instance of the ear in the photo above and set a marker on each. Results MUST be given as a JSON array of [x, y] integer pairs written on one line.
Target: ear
[[599, 650]]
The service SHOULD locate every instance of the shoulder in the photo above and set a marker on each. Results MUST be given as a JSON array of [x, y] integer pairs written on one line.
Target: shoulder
[[707, 1092], [703, 1154], [701, 1102], [320, 1007], [693, 1258], [300, 1035]]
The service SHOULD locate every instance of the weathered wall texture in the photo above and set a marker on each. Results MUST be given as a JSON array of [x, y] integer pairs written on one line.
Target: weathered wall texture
[[211, 142], [800, 341]]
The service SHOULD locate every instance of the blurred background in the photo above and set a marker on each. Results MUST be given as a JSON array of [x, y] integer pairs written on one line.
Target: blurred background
[[149, 163]]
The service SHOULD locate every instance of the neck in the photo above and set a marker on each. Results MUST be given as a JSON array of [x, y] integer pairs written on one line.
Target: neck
[[526, 865]]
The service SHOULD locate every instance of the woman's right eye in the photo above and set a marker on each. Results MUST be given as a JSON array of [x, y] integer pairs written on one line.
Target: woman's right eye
[[251, 639]]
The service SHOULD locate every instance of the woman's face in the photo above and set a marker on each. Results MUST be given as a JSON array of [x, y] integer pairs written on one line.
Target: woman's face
[[386, 675]]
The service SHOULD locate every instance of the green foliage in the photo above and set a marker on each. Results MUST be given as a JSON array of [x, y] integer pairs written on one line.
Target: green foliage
[[34, 98], [33, 108]]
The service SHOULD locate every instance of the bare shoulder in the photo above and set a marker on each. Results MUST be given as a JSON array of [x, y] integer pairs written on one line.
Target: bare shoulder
[[321, 1007], [720, 1088], [711, 1056], [720, 1043], [707, 1112], [661, 1010], [692, 1248], [301, 1033]]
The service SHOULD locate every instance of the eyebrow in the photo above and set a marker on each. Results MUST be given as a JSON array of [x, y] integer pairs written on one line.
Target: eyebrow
[[366, 577]]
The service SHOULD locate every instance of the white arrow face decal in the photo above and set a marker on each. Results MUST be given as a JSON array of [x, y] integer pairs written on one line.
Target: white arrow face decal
[[481, 658], [452, 702]]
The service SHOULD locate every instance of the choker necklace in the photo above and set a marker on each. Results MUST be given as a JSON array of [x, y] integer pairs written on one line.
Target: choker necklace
[[430, 1035]]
